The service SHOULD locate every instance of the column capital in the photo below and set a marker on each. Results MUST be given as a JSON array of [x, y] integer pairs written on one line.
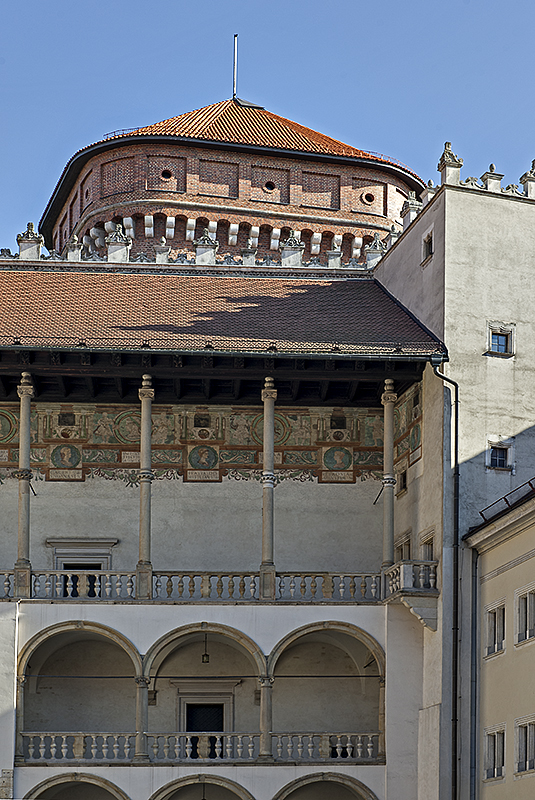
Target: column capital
[[142, 681], [146, 392], [269, 392], [389, 395], [25, 387], [266, 681]]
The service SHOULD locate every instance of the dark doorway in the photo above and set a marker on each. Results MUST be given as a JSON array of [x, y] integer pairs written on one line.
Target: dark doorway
[[204, 717]]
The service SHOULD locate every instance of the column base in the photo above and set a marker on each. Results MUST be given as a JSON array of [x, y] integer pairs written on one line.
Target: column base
[[268, 577], [143, 580], [22, 579]]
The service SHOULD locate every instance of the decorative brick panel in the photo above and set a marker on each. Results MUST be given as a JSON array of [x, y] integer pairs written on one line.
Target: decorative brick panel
[[262, 181], [218, 178], [321, 191], [368, 196], [117, 176], [166, 173], [86, 191]]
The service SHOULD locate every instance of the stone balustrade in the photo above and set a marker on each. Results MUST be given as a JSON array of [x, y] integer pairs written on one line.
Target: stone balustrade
[[202, 586], [170, 748]]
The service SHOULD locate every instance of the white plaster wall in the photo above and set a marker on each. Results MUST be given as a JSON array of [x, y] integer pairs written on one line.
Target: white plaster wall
[[8, 650]]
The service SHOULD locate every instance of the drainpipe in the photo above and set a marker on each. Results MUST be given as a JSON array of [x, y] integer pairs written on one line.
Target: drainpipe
[[455, 592]]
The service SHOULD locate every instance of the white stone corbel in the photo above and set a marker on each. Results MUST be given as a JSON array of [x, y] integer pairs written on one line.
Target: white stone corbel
[[129, 227], [170, 228], [212, 228], [337, 241], [315, 244], [356, 246], [149, 226], [109, 227], [88, 243], [190, 230], [233, 234], [254, 233], [99, 236], [275, 239]]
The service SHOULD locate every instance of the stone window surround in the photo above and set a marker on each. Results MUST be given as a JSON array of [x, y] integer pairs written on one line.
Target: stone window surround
[[527, 592], [527, 721], [492, 755], [401, 543], [427, 539], [214, 690], [505, 442], [86, 550], [494, 645], [505, 328], [426, 258]]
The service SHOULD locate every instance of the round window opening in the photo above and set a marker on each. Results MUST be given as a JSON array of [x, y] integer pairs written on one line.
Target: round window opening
[[269, 186], [368, 197], [166, 174]]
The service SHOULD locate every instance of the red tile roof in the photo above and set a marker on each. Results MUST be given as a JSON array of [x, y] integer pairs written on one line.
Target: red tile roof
[[176, 312]]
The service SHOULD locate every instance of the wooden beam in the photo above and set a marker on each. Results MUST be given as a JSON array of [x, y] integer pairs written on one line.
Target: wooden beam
[[119, 385], [61, 385], [177, 388], [90, 385], [352, 390]]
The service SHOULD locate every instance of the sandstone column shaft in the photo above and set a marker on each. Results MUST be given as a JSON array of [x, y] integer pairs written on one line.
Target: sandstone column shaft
[[267, 569], [142, 718], [144, 569], [266, 724], [389, 482], [25, 392]]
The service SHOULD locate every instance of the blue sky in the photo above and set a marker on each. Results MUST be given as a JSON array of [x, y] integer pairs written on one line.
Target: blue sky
[[398, 78]]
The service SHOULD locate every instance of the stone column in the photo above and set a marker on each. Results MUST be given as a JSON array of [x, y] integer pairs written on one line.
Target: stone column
[[144, 566], [24, 474], [388, 399], [267, 568], [19, 752], [142, 718], [266, 723]]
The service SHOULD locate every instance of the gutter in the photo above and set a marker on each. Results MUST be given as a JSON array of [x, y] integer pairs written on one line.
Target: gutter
[[455, 594]]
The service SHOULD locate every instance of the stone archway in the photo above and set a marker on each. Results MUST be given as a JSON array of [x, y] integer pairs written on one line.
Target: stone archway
[[194, 787], [76, 786], [325, 786]]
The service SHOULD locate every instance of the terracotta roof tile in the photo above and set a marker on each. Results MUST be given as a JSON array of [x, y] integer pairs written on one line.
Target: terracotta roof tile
[[185, 313]]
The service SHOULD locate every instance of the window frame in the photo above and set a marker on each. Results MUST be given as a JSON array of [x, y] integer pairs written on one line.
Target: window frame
[[525, 614], [494, 753], [507, 329], [525, 744], [501, 443], [495, 628]]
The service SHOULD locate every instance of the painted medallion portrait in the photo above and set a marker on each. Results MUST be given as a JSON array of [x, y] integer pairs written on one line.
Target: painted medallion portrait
[[65, 456], [337, 458], [203, 457]]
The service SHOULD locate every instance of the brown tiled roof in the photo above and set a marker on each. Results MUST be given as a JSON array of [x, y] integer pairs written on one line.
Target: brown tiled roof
[[186, 313], [235, 122]]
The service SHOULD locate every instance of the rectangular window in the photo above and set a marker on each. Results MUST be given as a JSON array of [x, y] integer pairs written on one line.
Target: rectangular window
[[526, 616], [495, 630], [500, 338], [495, 754], [403, 550], [498, 457], [428, 550], [500, 343], [525, 733], [428, 246]]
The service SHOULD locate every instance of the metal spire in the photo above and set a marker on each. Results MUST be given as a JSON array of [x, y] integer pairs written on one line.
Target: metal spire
[[235, 79]]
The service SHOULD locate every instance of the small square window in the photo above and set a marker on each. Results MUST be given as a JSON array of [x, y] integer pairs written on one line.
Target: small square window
[[500, 343], [500, 453], [428, 246]]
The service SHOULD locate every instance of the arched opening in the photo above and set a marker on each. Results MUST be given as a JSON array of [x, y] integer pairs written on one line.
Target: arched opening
[[196, 787], [326, 245], [347, 246], [264, 242], [328, 694], [160, 221], [79, 694], [203, 690], [306, 236], [76, 787], [324, 786]]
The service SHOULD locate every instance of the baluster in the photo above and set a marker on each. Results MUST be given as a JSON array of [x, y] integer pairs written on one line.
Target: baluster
[[228, 748], [292, 586], [130, 586], [363, 587], [313, 587], [36, 588], [349, 747], [169, 586], [105, 747], [98, 584], [157, 586], [42, 747], [192, 585], [300, 746], [310, 746], [282, 586], [279, 746], [250, 747], [421, 576], [252, 587], [432, 576], [291, 745], [374, 586], [155, 748], [239, 747], [32, 749], [94, 746], [342, 587], [166, 747], [219, 586], [370, 747], [118, 585], [58, 585], [69, 585], [230, 587], [48, 585], [241, 588], [303, 586], [53, 747], [359, 746], [64, 747], [218, 746], [107, 588], [339, 746], [353, 587], [188, 747], [116, 747], [180, 587]]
